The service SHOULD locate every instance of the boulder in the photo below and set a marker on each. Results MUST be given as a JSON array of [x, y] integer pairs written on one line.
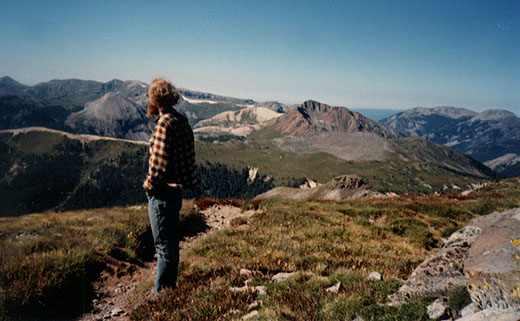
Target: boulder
[[484, 256], [493, 314], [493, 266], [437, 309]]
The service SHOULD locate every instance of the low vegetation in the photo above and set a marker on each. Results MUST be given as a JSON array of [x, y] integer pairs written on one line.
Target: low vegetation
[[325, 243], [49, 260]]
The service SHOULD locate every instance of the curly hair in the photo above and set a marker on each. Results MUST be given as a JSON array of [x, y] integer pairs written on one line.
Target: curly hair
[[162, 96]]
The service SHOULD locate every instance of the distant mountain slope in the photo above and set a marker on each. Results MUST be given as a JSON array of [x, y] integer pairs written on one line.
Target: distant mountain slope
[[73, 94], [376, 114], [112, 115], [313, 117], [236, 124], [486, 136], [16, 112], [43, 169], [409, 165]]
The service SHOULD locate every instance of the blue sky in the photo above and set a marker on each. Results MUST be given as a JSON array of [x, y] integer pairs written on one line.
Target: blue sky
[[359, 54]]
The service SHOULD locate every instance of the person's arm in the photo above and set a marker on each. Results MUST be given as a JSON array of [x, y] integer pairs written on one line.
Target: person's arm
[[159, 157]]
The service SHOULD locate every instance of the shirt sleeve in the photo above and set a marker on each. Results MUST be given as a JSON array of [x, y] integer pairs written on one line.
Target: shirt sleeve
[[159, 157]]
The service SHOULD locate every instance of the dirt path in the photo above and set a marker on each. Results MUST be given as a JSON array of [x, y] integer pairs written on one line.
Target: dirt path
[[121, 280]]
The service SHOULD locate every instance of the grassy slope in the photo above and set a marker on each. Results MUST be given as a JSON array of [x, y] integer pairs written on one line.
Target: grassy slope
[[48, 272], [394, 174], [73, 174], [336, 241], [326, 242], [54, 160]]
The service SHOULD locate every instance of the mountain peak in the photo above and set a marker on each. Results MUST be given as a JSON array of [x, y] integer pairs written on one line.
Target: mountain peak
[[446, 111], [494, 114], [6, 80], [313, 117]]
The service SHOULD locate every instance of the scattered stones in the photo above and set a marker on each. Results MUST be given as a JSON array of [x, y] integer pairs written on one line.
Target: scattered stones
[[26, 234], [247, 273], [260, 289], [255, 305], [233, 312], [334, 288], [437, 309], [251, 315], [282, 276], [117, 311], [375, 276]]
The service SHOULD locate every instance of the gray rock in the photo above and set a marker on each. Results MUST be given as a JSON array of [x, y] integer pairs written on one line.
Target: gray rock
[[493, 314], [283, 276], [469, 310], [437, 309], [255, 305], [245, 272], [375, 276], [251, 315], [116, 312], [26, 234], [493, 266], [444, 271], [334, 288], [260, 289]]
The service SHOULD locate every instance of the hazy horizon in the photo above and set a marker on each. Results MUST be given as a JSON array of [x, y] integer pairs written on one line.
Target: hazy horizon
[[377, 55]]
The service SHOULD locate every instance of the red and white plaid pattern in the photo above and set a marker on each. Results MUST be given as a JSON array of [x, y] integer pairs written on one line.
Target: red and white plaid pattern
[[172, 153]]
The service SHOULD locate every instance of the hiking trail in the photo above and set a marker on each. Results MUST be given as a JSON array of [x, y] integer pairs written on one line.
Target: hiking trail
[[121, 281]]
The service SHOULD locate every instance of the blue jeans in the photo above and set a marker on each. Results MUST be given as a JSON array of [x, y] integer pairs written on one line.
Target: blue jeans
[[163, 211]]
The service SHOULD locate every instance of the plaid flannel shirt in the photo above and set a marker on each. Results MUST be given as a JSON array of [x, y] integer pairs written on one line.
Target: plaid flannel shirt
[[172, 153]]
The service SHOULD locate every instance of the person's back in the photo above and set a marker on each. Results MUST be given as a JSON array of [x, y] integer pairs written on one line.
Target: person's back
[[171, 167]]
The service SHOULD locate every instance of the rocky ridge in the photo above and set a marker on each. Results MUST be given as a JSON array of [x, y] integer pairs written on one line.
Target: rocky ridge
[[313, 117], [340, 188]]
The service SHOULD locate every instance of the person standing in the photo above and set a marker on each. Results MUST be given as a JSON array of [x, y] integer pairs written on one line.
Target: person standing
[[171, 167]]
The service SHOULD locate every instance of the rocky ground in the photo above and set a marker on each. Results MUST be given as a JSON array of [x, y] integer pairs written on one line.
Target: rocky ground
[[122, 280], [484, 257]]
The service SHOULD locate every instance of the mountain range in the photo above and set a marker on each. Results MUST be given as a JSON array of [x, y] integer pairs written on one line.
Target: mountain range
[[287, 143], [492, 136]]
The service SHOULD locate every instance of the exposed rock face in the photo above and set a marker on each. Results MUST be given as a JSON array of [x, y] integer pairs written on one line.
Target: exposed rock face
[[313, 117], [484, 256], [341, 187], [238, 123], [309, 183], [442, 272], [493, 265]]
